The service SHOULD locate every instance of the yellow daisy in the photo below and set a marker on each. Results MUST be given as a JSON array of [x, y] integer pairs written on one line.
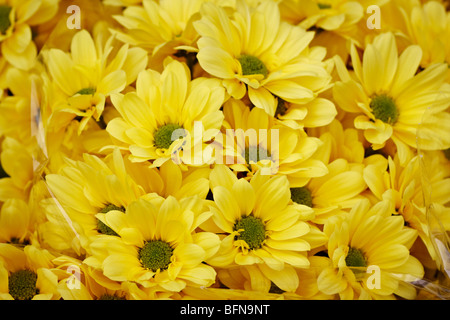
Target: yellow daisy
[[26, 274], [77, 281], [369, 250], [81, 193], [167, 113], [16, 21], [164, 28], [259, 227], [158, 245], [428, 25], [255, 52], [411, 191], [80, 81], [338, 190], [256, 141], [336, 15], [391, 103]]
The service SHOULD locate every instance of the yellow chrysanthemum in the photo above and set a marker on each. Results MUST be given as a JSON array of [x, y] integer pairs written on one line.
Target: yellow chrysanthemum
[[255, 140], [82, 193], [160, 118], [336, 15], [164, 28], [410, 190], [80, 81], [77, 281], [369, 249], [259, 227], [255, 52], [158, 245], [26, 274], [338, 190], [389, 99], [428, 25], [16, 21]]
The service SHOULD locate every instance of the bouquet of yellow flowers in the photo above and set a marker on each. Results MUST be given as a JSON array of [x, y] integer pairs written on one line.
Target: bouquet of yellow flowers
[[224, 149]]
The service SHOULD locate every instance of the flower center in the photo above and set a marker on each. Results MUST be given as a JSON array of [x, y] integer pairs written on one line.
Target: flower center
[[251, 230], [254, 154], [447, 153], [384, 108], [324, 5], [302, 195], [86, 91], [355, 258], [155, 255], [5, 23], [103, 228], [22, 284], [281, 108], [252, 65], [163, 136]]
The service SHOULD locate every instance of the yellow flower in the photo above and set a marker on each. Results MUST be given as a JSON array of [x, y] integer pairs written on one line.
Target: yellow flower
[[428, 25], [411, 191], [161, 116], [80, 81], [164, 28], [264, 143], [338, 190], [255, 52], [390, 99], [77, 281], [26, 274], [336, 15], [16, 20], [259, 227], [158, 245], [82, 192], [369, 250]]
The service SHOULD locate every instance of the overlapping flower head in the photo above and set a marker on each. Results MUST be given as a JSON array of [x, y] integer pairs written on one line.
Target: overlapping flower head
[[224, 149]]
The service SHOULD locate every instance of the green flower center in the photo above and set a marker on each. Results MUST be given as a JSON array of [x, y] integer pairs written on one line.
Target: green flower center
[[163, 136], [355, 258], [5, 23], [103, 228], [252, 65], [22, 284], [86, 91], [251, 230], [384, 108], [252, 154], [155, 255], [302, 195], [324, 5]]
